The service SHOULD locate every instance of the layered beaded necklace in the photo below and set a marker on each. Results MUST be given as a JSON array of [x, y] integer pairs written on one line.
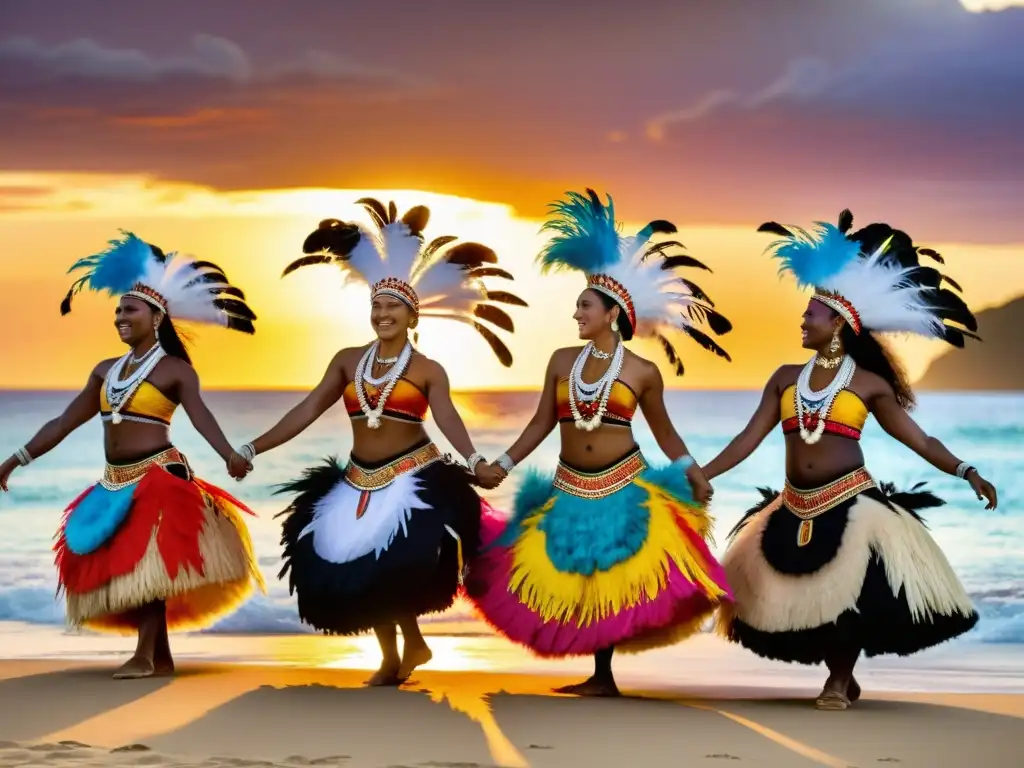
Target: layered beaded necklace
[[814, 406], [594, 397], [388, 380], [119, 392]]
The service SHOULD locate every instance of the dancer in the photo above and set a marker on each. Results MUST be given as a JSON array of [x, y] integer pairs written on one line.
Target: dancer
[[609, 553], [382, 540], [150, 548], [837, 564]]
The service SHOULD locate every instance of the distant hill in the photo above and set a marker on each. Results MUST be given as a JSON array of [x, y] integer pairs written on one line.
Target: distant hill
[[996, 363]]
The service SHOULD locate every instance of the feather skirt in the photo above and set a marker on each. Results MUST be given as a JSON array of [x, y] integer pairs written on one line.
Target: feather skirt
[[578, 569], [163, 536], [865, 575], [357, 558]]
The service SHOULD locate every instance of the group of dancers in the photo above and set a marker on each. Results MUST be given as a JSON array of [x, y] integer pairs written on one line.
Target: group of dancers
[[606, 553]]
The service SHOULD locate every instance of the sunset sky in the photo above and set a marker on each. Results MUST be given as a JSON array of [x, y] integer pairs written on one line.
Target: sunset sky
[[228, 130]]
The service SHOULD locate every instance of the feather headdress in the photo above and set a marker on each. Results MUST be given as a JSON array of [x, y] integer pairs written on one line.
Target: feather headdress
[[874, 278], [641, 277], [179, 286], [434, 280]]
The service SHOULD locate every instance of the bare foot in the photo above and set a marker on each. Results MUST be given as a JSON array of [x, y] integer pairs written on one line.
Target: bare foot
[[386, 675], [853, 690], [163, 662], [591, 687], [135, 668], [412, 657]]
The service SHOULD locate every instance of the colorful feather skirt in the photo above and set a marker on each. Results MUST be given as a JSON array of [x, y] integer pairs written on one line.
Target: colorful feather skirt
[[596, 559], [370, 543], [151, 531], [846, 566]]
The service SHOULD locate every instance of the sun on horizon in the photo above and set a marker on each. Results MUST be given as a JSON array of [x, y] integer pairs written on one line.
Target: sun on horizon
[[306, 317]]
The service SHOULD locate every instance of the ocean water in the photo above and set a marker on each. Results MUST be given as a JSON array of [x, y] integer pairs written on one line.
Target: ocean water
[[985, 547]]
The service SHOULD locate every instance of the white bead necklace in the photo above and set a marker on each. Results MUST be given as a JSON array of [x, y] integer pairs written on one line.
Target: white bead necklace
[[816, 405], [389, 379], [119, 392], [600, 390]]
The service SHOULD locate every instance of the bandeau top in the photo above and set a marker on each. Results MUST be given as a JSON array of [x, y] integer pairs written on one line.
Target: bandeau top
[[846, 419]]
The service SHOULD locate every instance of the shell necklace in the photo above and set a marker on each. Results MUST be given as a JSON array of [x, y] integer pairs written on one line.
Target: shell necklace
[[598, 391], [119, 392], [814, 406], [389, 379]]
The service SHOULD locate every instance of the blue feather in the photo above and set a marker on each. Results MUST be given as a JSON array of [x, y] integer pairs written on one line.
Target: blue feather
[[116, 269], [96, 518], [814, 258], [585, 238]]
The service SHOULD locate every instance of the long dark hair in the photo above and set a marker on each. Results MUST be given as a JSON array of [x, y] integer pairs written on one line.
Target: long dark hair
[[171, 341], [625, 329], [872, 354]]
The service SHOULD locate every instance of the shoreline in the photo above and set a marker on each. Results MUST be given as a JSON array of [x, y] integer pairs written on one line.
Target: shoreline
[[70, 713]]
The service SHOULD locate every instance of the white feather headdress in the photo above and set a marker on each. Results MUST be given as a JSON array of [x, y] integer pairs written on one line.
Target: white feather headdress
[[641, 278], [873, 278], [179, 286], [433, 280]]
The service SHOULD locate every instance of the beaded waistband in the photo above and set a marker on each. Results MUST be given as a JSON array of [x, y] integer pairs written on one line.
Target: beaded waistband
[[597, 485], [810, 504], [381, 477], [117, 476]]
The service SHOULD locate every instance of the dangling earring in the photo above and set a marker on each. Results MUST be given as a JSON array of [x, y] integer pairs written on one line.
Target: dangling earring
[[615, 326], [834, 346]]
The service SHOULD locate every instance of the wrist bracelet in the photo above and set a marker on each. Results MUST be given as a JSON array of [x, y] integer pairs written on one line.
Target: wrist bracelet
[[963, 468], [247, 452], [23, 456], [505, 462], [474, 459]]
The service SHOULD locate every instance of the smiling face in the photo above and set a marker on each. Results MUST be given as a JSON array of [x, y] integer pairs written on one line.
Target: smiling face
[[819, 323], [592, 316], [391, 318], [134, 321]]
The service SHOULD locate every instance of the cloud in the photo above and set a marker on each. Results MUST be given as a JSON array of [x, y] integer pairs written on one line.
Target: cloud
[[209, 57]]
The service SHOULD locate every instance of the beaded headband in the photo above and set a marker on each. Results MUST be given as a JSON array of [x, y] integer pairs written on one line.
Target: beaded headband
[[148, 295], [612, 288], [400, 289], [841, 305]]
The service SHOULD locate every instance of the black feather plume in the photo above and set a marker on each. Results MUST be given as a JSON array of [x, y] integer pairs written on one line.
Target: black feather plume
[[659, 248], [376, 210], [470, 255], [504, 297], [495, 316], [706, 341], [670, 353], [775, 229], [65, 305], [845, 221], [480, 272], [680, 260], [306, 261], [416, 219], [718, 323]]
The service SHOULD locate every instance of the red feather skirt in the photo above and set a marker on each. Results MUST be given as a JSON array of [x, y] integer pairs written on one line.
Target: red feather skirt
[[182, 542]]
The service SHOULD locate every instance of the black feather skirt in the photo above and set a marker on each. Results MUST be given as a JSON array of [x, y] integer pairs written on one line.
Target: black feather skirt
[[366, 544], [849, 566]]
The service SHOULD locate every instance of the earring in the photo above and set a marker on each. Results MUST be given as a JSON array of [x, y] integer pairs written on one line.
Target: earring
[[615, 326], [834, 346]]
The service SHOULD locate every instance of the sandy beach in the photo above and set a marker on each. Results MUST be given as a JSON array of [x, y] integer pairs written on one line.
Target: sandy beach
[[69, 712]]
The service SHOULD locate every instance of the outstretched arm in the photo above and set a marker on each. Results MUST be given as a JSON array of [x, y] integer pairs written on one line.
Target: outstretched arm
[[544, 420], [652, 404], [897, 422], [312, 407], [85, 405], [767, 415], [198, 413]]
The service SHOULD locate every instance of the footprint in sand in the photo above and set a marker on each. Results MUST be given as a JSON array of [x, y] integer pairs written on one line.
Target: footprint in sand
[[131, 748], [721, 756]]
